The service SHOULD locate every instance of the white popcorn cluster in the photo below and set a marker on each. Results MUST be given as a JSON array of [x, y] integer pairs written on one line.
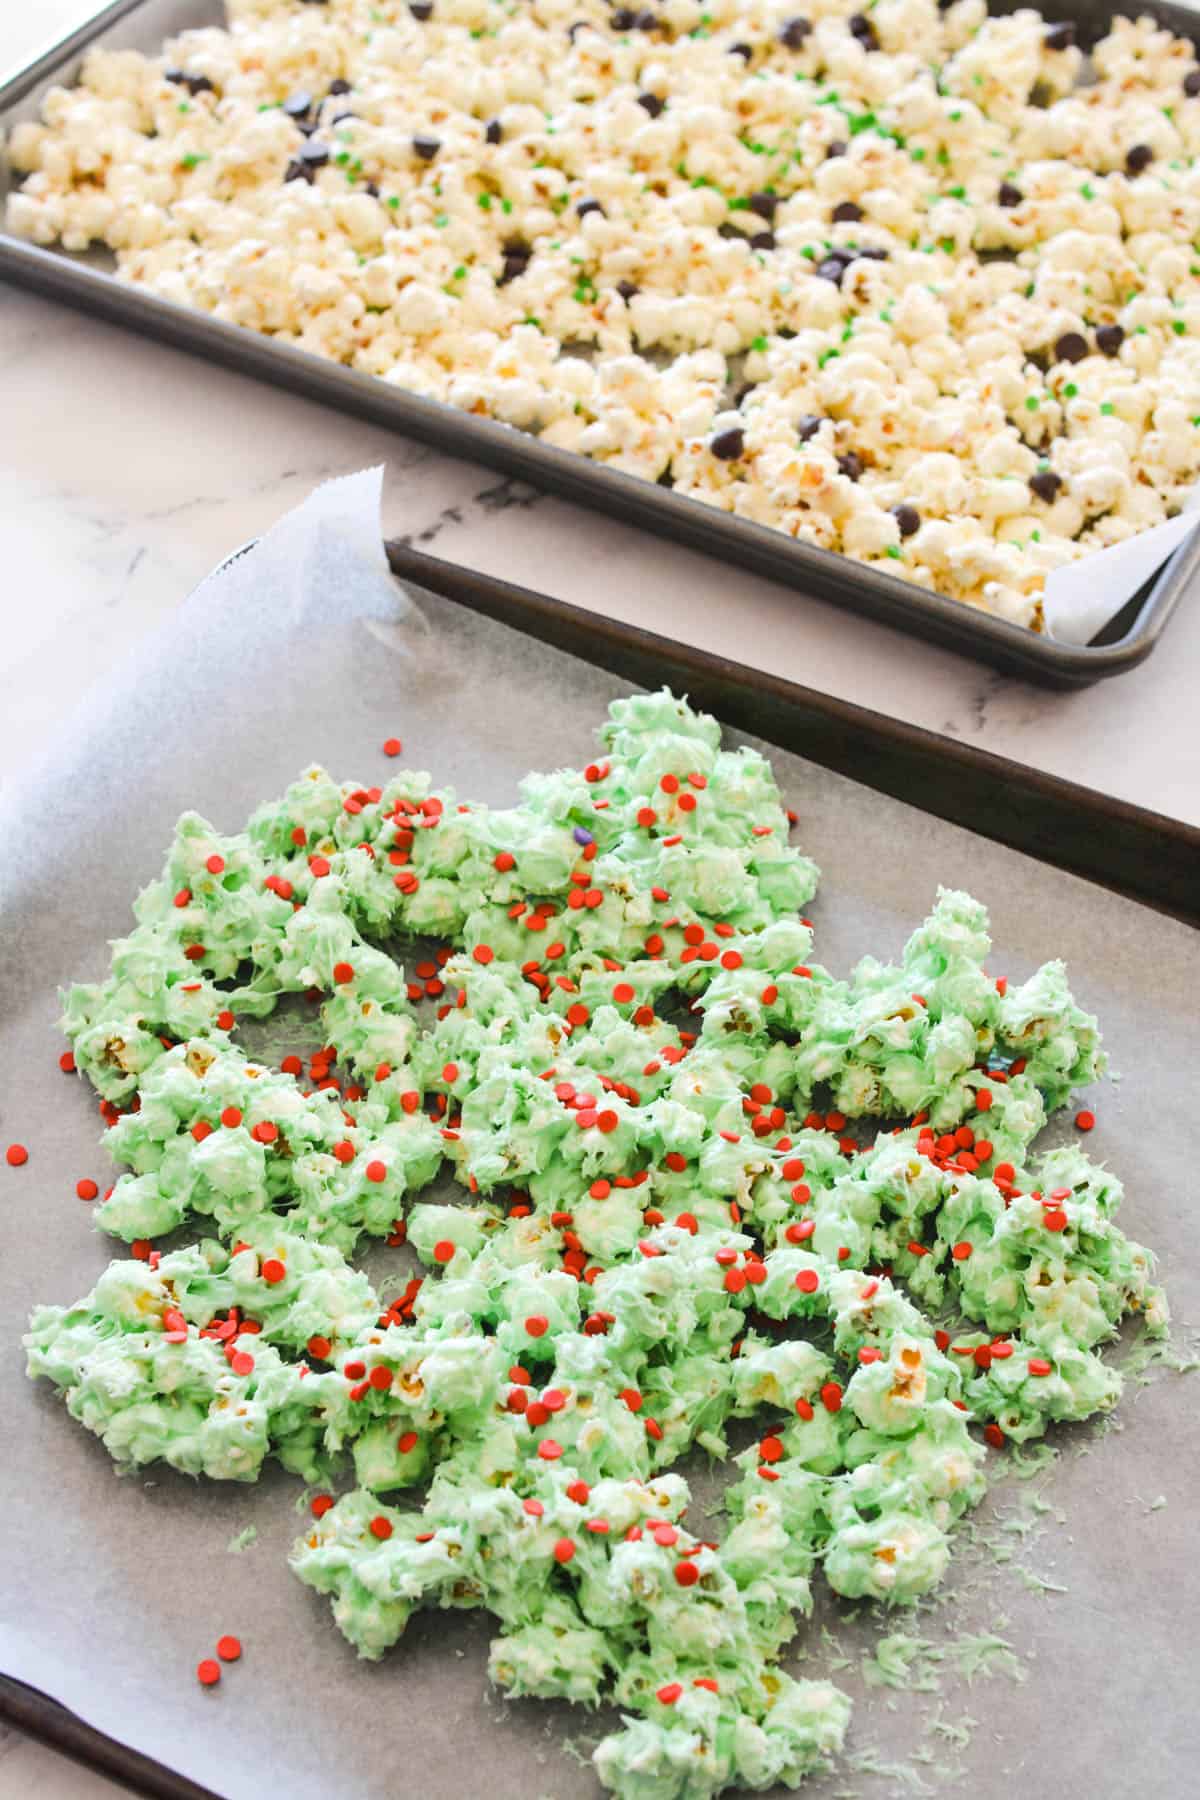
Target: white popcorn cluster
[[918, 286]]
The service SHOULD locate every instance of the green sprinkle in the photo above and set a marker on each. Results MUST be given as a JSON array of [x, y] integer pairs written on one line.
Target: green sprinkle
[[195, 157], [484, 201], [896, 551], [826, 356], [1032, 403], [342, 158], [506, 206], [1088, 191], [1070, 390], [947, 244], [459, 273], [442, 220], [1178, 327], [393, 200], [810, 252], [1107, 408], [758, 343], [956, 115], [529, 319], [184, 107], [918, 155], [1035, 537], [957, 193], [943, 156]]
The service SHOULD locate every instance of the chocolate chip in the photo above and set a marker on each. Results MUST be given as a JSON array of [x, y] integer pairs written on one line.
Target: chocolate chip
[[793, 32], [339, 86], [908, 519], [372, 188], [627, 289], [832, 269], [1071, 347], [742, 50], [861, 28], [1139, 157], [1109, 339], [296, 171], [851, 465], [493, 132], [764, 204], [421, 9], [837, 148], [652, 104], [314, 154], [808, 425], [584, 207], [1060, 36], [426, 146], [1009, 195], [180, 79], [1045, 484], [298, 104], [200, 84], [847, 212], [624, 19], [647, 21], [763, 240], [1191, 83], [728, 445]]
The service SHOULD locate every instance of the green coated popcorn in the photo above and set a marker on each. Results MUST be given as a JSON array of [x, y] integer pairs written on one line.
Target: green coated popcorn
[[688, 1178]]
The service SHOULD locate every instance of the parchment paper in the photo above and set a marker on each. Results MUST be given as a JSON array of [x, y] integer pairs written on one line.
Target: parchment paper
[[111, 1588]]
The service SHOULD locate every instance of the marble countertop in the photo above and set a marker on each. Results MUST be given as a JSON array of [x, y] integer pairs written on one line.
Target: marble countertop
[[127, 470]]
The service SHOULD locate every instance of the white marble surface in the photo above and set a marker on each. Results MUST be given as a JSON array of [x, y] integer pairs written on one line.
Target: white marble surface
[[127, 470]]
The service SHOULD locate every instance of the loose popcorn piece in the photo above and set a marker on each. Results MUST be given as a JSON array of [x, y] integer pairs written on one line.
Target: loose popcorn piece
[[642, 1082], [916, 285]]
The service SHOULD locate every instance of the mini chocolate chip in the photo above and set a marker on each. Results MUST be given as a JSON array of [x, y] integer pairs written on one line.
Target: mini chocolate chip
[[742, 50], [339, 86], [426, 146], [200, 84], [728, 445], [847, 212], [624, 19], [647, 21], [627, 289], [808, 425], [652, 104], [180, 79], [1071, 347], [372, 188], [421, 9], [851, 465], [832, 269], [494, 132], [1009, 195], [872, 253], [793, 32], [1060, 36], [1109, 339], [584, 207], [837, 148], [763, 240], [1191, 83], [1139, 157], [860, 27], [297, 104], [296, 171], [1045, 484], [314, 154], [908, 519], [764, 204]]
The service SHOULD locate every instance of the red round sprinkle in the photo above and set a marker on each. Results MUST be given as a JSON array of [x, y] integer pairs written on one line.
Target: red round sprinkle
[[443, 1250], [808, 1281], [564, 1550], [406, 1442], [831, 1397], [242, 1363], [983, 1100], [669, 784], [319, 1347], [215, 864], [380, 1528], [622, 993], [632, 1399], [1039, 1366], [376, 1171], [771, 1449], [392, 746], [994, 1436], [504, 859], [804, 1409], [229, 1648], [380, 1378], [208, 1672], [483, 953], [1085, 1120], [231, 1118], [537, 1325], [15, 1155], [1054, 1219], [450, 1073], [320, 1505], [961, 1251], [669, 1693], [66, 1062], [274, 1271], [686, 1573], [265, 1132], [343, 972], [87, 1190], [344, 1151]]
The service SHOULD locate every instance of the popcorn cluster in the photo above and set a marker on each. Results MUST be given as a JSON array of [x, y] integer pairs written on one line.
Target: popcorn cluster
[[643, 1085], [910, 284]]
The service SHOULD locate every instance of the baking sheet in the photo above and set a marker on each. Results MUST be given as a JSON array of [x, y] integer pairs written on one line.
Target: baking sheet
[[1139, 588], [112, 1588]]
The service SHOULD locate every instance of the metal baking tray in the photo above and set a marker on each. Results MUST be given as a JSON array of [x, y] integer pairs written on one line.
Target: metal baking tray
[[1153, 859], [87, 282]]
